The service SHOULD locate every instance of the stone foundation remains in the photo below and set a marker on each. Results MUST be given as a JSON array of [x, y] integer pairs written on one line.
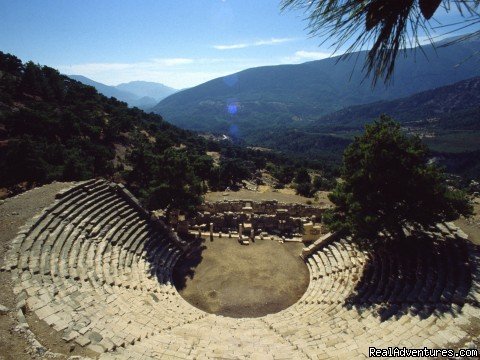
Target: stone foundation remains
[[266, 216]]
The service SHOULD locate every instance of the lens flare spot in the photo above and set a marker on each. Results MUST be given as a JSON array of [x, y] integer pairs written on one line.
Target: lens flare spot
[[232, 109]]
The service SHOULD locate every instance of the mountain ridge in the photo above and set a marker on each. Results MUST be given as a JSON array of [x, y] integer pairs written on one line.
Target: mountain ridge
[[142, 94], [150, 89], [285, 95], [435, 103], [107, 90], [447, 119]]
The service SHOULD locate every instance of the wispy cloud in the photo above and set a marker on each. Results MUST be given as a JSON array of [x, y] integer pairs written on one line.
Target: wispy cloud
[[272, 41], [303, 55], [229, 47]]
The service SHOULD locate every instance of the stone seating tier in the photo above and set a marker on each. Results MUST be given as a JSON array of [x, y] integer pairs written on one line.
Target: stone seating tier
[[97, 269]]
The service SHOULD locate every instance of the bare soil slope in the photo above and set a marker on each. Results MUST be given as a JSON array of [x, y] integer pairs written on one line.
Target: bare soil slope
[[471, 226]]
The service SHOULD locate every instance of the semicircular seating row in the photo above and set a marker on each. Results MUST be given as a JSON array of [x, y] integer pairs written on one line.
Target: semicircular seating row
[[97, 269], [386, 296], [93, 264]]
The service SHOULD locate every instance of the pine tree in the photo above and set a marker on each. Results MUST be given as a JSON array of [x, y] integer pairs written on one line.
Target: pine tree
[[388, 183]]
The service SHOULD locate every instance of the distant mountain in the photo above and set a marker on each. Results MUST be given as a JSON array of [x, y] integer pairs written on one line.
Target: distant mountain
[[447, 118], [141, 94], [145, 103], [109, 91], [286, 96], [53, 127], [439, 106], [148, 89]]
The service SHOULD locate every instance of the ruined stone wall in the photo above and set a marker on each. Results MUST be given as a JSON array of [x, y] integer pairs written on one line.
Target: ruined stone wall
[[230, 221], [263, 207], [269, 216]]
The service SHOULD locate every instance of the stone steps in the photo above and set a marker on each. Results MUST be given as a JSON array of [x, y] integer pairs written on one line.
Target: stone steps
[[419, 286], [96, 269], [73, 261]]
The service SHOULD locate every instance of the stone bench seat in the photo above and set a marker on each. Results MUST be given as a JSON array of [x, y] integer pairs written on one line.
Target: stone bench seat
[[95, 268], [314, 268], [78, 187], [115, 234], [136, 237], [60, 229]]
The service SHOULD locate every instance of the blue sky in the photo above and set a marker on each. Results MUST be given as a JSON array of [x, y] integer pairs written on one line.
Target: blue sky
[[179, 43]]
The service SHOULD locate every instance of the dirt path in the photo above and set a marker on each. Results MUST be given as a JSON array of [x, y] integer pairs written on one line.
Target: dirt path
[[243, 281], [14, 212], [471, 226]]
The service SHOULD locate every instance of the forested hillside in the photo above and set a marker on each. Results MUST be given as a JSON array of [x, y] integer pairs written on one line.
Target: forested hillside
[[446, 118], [455, 106], [55, 128], [287, 96]]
